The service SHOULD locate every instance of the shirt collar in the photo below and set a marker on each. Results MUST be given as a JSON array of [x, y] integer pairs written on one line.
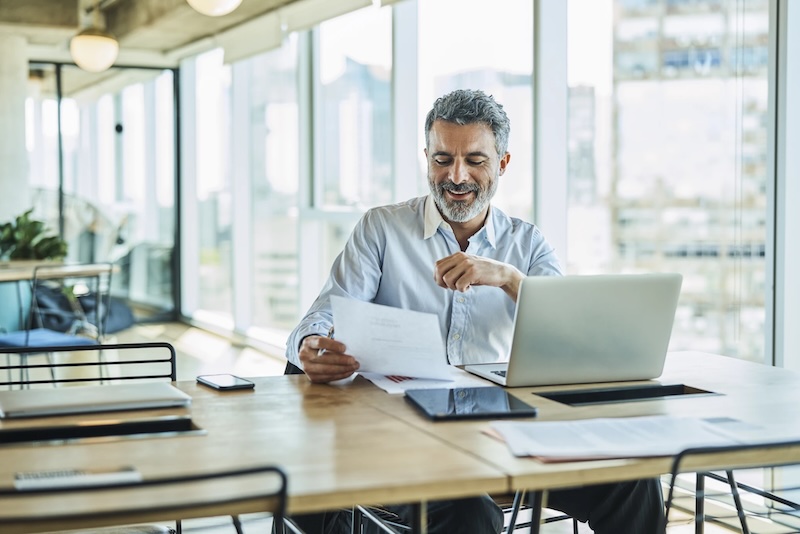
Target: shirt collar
[[433, 220]]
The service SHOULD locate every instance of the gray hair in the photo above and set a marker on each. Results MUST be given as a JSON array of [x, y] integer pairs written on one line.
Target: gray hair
[[468, 106]]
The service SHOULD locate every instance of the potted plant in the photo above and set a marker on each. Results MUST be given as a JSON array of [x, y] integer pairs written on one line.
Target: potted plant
[[25, 238], [24, 241]]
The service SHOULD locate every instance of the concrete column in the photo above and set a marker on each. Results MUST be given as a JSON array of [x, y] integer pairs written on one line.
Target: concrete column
[[14, 188]]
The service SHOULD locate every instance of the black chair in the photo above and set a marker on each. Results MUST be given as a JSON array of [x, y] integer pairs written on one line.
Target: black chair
[[149, 500], [292, 369], [781, 512], [124, 362], [389, 522]]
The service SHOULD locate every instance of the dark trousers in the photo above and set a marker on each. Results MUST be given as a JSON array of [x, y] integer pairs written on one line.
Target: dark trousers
[[635, 507]]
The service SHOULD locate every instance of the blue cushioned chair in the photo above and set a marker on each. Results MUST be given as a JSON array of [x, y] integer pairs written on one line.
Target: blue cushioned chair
[[78, 329]]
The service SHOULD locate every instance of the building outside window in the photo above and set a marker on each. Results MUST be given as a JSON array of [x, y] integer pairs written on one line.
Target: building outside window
[[678, 166]]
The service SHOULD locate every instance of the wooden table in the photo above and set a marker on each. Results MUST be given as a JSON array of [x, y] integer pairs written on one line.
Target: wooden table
[[50, 270], [750, 392], [356, 444], [336, 450]]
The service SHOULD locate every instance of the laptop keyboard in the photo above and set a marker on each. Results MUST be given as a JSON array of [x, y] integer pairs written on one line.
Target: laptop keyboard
[[501, 373]]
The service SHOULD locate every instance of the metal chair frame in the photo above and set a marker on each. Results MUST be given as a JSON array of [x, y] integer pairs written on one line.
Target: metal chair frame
[[392, 527], [278, 511], [33, 320], [170, 373], [43, 273], [100, 364], [729, 479]]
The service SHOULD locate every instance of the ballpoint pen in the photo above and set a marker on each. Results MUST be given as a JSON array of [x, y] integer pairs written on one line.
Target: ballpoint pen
[[320, 352]]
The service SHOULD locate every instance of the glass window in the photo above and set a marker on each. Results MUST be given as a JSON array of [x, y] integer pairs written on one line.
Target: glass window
[[274, 133], [118, 175], [463, 54], [353, 126], [667, 170], [212, 152]]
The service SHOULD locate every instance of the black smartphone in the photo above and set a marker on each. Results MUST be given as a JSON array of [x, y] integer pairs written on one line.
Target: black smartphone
[[225, 382]]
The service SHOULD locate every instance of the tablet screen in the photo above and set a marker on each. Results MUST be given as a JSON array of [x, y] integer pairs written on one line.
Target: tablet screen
[[468, 403]]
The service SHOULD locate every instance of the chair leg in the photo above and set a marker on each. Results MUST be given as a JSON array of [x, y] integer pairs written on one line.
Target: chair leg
[[419, 518], [515, 506], [738, 502], [49, 357], [101, 360], [356, 521], [24, 374], [574, 526], [699, 503], [237, 524], [178, 527], [535, 501]]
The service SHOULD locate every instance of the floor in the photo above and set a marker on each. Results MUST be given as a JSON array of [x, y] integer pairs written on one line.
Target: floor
[[201, 352]]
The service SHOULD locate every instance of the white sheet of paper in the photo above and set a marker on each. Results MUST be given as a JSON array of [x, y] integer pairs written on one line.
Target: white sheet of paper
[[396, 385], [624, 437], [390, 341]]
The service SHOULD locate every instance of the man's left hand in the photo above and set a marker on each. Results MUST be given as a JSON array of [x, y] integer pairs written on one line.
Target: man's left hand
[[460, 271]]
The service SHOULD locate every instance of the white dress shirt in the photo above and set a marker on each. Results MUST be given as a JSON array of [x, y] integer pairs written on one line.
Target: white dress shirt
[[390, 257]]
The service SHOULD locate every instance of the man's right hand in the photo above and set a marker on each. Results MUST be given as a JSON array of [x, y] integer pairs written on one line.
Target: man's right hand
[[324, 359]]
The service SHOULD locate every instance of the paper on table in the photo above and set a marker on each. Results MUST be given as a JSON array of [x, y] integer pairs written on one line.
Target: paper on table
[[400, 384], [390, 341], [627, 437]]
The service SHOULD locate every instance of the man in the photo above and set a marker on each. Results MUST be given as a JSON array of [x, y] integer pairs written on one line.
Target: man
[[454, 255]]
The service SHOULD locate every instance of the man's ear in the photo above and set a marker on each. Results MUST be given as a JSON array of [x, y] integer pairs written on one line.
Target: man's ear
[[504, 162], [425, 151]]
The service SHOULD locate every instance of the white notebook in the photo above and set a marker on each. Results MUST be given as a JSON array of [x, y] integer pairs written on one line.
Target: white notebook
[[88, 399]]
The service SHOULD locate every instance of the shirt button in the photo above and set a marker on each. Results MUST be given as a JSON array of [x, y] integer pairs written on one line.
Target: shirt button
[[456, 337], [460, 300]]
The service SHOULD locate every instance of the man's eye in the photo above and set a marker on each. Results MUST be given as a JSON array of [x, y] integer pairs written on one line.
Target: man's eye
[[475, 161], [442, 162]]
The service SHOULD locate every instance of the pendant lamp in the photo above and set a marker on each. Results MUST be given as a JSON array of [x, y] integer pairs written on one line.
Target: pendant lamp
[[93, 49], [214, 8]]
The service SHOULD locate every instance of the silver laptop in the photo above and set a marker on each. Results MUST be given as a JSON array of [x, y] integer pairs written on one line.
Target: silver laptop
[[581, 329], [87, 399]]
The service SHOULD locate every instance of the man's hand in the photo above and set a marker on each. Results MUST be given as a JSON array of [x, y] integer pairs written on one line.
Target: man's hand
[[460, 271], [324, 359]]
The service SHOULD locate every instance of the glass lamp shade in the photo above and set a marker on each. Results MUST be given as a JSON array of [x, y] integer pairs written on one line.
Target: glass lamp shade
[[214, 8], [94, 50]]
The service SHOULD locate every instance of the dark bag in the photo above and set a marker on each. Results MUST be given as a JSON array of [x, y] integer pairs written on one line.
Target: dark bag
[[53, 310], [57, 312], [120, 316]]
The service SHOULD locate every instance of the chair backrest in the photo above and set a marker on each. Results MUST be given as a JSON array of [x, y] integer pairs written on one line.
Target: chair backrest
[[59, 294], [703, 460], [292, 369], [92, 364], [74, 505]]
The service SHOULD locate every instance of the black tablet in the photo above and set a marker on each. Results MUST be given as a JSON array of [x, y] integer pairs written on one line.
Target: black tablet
[[468, 403]]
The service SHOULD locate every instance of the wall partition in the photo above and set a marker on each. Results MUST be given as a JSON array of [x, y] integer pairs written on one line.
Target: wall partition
[[103, 172]]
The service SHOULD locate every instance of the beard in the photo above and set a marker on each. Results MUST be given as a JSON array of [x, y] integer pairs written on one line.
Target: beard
[[460, 211]]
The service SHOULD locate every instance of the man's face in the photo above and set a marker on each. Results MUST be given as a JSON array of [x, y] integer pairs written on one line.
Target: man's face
[[463, 169]]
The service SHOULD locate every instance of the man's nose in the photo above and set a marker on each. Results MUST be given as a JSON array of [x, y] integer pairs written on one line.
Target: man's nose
[[459, 173]]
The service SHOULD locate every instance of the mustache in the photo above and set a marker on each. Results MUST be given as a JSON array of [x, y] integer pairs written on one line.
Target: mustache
[[456, 188]]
